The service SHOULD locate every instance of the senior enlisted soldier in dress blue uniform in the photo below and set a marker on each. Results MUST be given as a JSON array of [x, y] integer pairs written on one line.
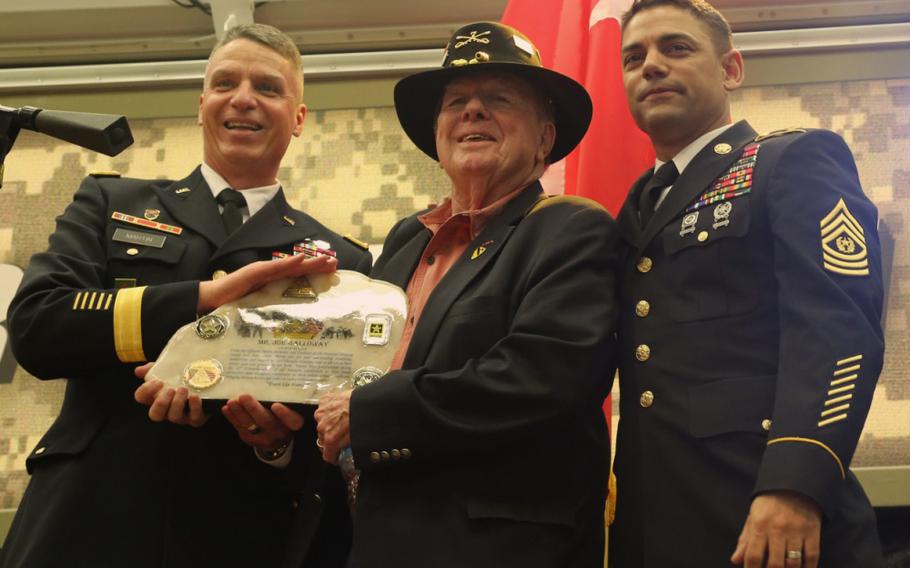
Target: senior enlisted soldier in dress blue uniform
[[750, 306], [486, 445], [129, 263]]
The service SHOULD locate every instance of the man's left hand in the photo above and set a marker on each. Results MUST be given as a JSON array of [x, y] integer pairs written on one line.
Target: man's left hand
[[333, 424], [177, 406], [780, 525]]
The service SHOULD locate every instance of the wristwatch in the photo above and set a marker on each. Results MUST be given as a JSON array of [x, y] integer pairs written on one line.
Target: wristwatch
[[272, 455]]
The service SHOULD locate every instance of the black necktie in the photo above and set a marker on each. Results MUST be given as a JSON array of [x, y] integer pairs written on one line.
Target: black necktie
[[232, 202], [665, 176]]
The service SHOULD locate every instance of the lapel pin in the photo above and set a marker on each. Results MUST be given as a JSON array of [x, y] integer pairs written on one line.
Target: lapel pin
[[182, 190], [477, 252], [723, 148], [151, 214], [289, 221]]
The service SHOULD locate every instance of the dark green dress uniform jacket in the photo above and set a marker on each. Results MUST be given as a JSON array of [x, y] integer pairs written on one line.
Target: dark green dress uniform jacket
[[750, 347], [489, 447], [109, 487]]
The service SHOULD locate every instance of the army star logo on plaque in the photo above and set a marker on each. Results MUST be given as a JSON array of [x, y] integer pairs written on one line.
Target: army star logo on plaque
[[843, 242], [211, 326]]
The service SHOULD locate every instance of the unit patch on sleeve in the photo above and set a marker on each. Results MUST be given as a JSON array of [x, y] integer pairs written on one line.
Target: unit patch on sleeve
[[843, 242]]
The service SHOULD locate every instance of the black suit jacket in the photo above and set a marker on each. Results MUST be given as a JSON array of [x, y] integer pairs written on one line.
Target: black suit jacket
[[489, 447], [109, 487], [751, 344]]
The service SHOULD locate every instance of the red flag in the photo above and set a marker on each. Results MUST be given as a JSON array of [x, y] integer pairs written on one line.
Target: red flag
[[581, 38]]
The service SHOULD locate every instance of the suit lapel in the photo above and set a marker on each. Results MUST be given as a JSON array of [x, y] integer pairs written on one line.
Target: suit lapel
[[701, 171], [627, 220], [480, 253], [190, 202], [399, 268], [273, 226]]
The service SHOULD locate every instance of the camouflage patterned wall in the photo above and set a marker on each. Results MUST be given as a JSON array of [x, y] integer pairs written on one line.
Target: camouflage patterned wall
[[357, 172]]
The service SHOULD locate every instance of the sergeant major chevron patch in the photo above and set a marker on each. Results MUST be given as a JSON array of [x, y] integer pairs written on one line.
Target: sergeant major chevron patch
[[844, 242]]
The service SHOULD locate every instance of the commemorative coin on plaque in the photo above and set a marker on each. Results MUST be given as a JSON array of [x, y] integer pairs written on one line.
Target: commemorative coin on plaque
[[294, 340]]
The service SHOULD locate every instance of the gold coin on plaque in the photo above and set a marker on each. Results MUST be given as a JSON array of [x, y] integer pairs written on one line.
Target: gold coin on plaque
[[203, 374]]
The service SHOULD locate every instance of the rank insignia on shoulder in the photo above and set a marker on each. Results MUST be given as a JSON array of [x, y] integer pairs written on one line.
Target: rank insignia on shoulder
[[104, 174], [843, 242], [782, 132], [356, 242]]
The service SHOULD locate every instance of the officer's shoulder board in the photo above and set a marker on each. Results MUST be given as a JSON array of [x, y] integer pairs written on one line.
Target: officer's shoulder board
[[104, 174], [548, 200], [356, 242], [782, 132]]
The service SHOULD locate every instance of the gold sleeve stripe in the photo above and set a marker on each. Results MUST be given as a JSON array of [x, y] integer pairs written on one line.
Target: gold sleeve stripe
[[128, 325], [840, 465], [846, 370], [849, 360], [107, 304], [84, 299], [842, 380], [100, 303], [839, 390], [831, 401], [76, 301], [91, 302], [835, 410], [832, 420]]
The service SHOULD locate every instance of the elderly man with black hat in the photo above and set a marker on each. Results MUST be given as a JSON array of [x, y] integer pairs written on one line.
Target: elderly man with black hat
[[485, 445]]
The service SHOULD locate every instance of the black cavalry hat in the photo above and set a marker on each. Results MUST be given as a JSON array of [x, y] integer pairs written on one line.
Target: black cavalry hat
[[491, 47]]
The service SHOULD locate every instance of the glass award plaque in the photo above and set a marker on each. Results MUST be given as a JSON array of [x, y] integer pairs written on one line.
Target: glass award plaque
[[293, 340]]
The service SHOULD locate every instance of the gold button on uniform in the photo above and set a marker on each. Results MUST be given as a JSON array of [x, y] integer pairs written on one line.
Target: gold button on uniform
[[642, 308], [644, 264], [766, 425], [646, 399], [396, 454], [642, 353], [132, 251], [703, 236], [219, 274], [406, 453], [374, 457], [385, 456]]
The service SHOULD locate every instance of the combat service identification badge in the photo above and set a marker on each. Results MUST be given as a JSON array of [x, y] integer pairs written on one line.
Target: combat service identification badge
[[844, 243]]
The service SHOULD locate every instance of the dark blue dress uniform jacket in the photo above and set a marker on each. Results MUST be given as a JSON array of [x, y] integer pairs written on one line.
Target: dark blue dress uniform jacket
[[750, 347], [109, 487], [489, 447]]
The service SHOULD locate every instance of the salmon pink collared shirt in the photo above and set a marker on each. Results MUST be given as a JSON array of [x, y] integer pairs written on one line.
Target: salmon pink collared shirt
[[451, 236]]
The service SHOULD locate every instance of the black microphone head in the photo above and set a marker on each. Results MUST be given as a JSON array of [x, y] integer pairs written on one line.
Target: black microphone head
[[103, 133]]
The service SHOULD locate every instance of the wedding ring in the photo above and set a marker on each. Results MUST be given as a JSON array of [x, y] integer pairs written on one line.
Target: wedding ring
[[794, 555], [253, 429]]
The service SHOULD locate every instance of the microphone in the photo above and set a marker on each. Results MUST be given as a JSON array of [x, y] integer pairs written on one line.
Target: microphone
[[103, 133]]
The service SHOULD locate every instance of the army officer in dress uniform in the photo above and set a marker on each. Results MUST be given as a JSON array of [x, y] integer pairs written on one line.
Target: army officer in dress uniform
[[129, 263], [486, 445], [750, 334]]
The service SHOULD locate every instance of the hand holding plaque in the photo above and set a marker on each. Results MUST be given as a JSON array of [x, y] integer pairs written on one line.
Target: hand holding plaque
[[292, 341]]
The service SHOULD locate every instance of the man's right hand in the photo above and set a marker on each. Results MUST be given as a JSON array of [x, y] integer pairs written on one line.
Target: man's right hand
[[215, 293]]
